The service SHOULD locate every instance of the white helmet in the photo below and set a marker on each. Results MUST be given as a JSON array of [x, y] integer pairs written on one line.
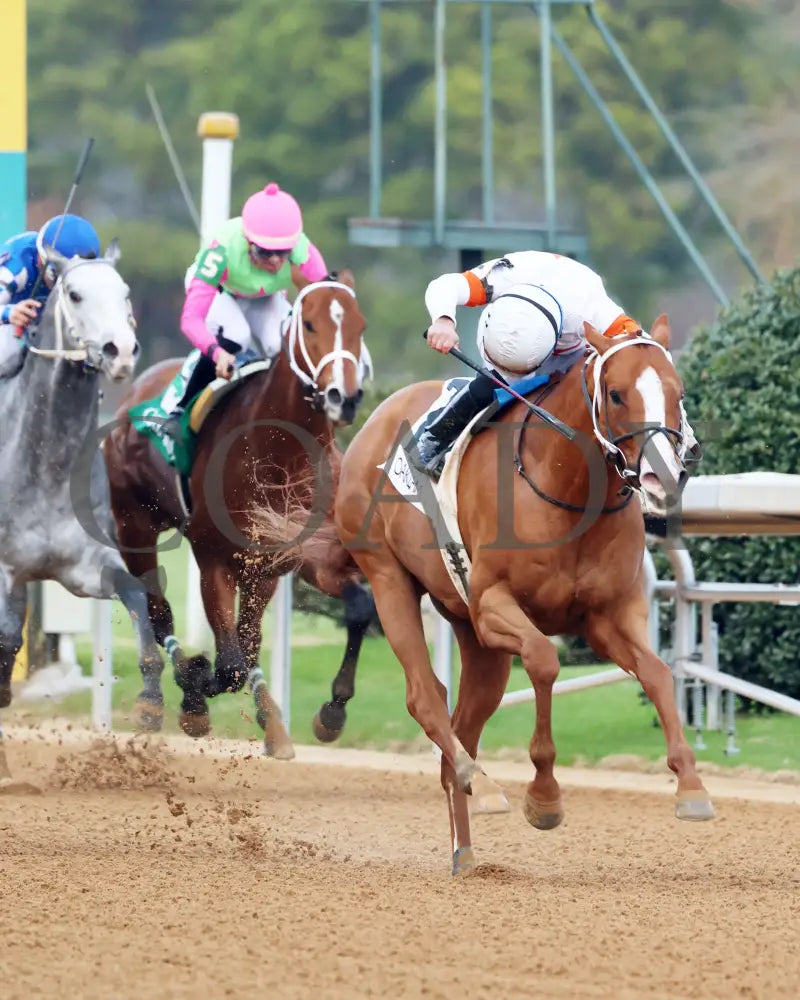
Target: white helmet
[[519, 329]]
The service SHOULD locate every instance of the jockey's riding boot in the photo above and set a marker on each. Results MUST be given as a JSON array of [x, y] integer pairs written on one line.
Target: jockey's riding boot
[[433, 441], [203, 374]]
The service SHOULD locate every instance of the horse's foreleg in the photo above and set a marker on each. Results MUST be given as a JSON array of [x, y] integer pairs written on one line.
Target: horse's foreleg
[[253, 599], [143, 564], [501, 624], [622, 636], [359, 610]]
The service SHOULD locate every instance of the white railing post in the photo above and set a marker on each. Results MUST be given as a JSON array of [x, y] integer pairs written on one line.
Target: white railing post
[[281, 653], [443, 656], [102, 666], [218, 130]]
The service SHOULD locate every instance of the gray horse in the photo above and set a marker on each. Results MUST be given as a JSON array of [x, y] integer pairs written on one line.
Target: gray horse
[[55, 519]]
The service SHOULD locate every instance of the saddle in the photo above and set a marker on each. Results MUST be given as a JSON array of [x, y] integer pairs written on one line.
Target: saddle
[[180, 454]]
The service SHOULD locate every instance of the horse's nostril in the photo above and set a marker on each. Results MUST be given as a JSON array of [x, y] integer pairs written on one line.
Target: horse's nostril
[[110, 349], [358, 397], [333, 395], [136, 348]]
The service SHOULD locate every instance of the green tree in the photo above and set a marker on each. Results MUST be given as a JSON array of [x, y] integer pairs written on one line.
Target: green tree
[[742, 394], [297, 76]]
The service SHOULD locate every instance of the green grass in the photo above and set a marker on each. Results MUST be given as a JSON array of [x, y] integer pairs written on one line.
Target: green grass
[[587, 725]]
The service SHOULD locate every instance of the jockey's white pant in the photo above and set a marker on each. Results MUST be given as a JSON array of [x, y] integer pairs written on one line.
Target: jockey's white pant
[[10, 347], [242, 320]]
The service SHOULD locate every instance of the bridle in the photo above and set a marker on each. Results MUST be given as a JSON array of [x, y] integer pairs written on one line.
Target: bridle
[[296, 339], [89, 353], [609, 443]]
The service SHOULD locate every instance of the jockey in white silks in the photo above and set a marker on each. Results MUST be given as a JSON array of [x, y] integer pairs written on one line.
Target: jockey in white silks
[[535, 305]]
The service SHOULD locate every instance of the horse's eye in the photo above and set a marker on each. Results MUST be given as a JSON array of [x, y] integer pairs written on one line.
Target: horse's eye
[[74, 296], [308, 326], [615, 397]]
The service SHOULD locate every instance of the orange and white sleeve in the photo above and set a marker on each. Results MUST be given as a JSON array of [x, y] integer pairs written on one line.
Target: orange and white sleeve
[[448, 291]]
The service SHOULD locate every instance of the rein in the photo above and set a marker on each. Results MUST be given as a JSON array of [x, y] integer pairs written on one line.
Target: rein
[[608, 443]]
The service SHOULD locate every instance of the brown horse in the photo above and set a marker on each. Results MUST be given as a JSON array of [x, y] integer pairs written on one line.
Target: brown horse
[[277, 427], [541, 563]]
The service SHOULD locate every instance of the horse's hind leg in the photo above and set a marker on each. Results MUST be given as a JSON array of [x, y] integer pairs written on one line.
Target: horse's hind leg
[[623, 638], [398, 604], [359, 610], [484, 675], [139, 549], [502, 624], [253, 599], [13, 605]]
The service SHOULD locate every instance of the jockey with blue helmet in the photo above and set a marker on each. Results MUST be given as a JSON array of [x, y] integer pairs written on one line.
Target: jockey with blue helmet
[[26, 279]]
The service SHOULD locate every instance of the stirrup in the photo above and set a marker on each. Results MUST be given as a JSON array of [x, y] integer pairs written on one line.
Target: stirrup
[[427, 454]]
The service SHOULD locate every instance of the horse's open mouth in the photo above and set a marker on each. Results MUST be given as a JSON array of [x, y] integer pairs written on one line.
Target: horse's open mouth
[[656, 498]]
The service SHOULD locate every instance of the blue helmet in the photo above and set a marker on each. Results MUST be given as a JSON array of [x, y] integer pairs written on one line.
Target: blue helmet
[[76, 237]]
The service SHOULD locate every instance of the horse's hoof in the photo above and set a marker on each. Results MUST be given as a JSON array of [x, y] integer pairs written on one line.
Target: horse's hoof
[[487, 796], [543, 815], [5, 695], [195, 724], [10, 787], [694, 805], [148, 717], [329, 722], [322, 733], [279, 747], [463, 861]]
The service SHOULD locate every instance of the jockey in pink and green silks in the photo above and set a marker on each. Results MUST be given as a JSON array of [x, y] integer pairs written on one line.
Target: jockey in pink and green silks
[[236, 287]]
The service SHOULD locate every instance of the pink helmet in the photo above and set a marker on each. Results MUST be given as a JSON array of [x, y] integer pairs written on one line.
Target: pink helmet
[[272, 219]]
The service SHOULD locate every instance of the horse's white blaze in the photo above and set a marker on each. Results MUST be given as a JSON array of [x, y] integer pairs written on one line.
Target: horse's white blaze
[[103, 314], [337, 315], [650, 388]]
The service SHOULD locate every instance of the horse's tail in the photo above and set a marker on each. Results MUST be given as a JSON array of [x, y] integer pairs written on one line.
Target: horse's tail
[[298, 528]]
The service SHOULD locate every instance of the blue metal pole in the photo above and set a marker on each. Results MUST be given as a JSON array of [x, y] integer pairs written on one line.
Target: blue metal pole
[[487, 115], [13, 120], [375, 111], [440, 125], [673, 140], [548, 133], [641, 169]]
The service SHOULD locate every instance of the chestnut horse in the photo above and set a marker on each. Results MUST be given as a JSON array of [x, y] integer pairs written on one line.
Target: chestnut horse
[[277, 427], [559, 567]]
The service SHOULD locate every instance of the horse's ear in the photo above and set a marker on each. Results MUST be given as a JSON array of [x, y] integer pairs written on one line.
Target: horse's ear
[[113, 253], [298, 278], [661, 331], [596, 339], [346, 277]]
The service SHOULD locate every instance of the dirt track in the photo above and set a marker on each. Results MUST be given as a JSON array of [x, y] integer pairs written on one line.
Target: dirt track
[[162, 874]]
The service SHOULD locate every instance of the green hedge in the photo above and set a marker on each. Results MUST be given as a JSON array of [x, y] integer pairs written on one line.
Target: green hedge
[[742, 379]]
